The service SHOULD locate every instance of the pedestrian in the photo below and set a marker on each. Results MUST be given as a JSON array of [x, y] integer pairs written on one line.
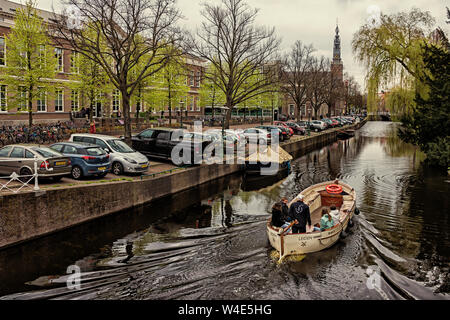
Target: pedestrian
[[92, 127], [299, 211]]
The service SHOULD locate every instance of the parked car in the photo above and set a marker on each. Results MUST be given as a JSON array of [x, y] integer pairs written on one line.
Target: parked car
[[87, 159], [123, 158], [331, 122], [297, 129], [283, 124], [51, 164], [257, 134], [286, 132], [159, 142], [318, 125], [276, 129]]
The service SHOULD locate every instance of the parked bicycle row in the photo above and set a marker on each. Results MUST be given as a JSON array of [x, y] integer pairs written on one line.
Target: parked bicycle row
[[39, 133]]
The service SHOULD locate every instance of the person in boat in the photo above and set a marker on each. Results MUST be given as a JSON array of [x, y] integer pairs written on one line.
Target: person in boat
[[335, 214], [277, 220], [285, 210], [299, 211], [326, 222]]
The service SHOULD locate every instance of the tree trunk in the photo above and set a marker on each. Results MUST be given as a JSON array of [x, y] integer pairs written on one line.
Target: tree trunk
[[228, 116], [126, 116], [30, 106]]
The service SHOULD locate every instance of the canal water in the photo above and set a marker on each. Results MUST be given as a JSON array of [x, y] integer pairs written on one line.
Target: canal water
[[211, 242]]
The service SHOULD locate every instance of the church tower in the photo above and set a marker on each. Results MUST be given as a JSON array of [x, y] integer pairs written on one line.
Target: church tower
[[337, 70], [336, 66]]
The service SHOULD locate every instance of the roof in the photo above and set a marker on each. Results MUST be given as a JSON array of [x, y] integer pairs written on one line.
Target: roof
[[95, 135], [78, 144]]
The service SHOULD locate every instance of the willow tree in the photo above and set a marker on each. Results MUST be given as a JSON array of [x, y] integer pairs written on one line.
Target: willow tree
[[30, 61], [392, 53]]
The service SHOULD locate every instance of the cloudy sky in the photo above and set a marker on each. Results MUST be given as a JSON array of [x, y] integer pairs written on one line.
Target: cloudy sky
[[312, 21]]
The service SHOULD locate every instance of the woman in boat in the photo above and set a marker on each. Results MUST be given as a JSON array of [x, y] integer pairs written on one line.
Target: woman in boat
[[326, 222], [335, 214], [277, 220]]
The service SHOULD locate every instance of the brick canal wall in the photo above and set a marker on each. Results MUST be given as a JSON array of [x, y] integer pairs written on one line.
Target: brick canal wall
[[28, 215]]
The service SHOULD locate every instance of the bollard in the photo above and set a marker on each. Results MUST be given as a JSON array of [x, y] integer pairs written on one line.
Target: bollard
[[36, 183]]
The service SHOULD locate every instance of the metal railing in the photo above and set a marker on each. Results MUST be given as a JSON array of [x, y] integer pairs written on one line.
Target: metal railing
[[16, 182]]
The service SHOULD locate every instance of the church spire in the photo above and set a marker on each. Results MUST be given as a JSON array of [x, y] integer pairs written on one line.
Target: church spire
[[337, 46]]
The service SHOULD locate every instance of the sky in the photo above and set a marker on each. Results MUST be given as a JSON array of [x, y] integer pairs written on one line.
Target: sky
[[312, 21]]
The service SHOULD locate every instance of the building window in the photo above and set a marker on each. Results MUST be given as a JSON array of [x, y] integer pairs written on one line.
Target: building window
[[42, 102], [116, 101], [2, 51], [3, 102], [59, 59], [191, 103], [74, 65], [291, 109], [23, 99], [75, 100], [197, 79], [197, 103], [59, 100], [191, 79]]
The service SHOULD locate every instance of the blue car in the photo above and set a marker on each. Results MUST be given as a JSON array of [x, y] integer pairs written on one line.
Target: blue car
[[87, 159]]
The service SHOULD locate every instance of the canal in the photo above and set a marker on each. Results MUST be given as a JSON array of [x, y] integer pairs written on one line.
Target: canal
[[211, 243]]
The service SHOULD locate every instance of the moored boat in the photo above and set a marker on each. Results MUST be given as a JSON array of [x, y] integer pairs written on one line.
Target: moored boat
[[317, 197], [346, 134]]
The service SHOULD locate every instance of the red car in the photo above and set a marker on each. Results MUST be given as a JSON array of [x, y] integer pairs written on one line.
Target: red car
[[280, 123]]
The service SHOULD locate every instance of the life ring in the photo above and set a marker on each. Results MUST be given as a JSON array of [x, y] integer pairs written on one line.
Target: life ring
[[334, 188]]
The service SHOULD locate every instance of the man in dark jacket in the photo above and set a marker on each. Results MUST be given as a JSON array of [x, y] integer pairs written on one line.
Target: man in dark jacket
[[285, 210], [299, 211]]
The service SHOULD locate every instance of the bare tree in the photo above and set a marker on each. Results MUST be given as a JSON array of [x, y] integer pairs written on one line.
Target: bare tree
[[319, 79], [238, 50], [119, 35], [295, 71]]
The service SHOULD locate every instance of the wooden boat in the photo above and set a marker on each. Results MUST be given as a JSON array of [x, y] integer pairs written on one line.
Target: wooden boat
[[316, 197], [344, 134]]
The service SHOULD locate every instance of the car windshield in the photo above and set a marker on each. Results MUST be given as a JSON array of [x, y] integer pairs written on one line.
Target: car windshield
[[120, 146], [95, 151], [46, 152]]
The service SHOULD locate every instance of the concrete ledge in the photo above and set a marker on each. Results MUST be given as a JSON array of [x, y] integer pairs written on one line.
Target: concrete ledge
[[25, 216]]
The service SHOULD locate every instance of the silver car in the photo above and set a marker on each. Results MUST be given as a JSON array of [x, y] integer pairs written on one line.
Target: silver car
[[20, 159], [123, 157]]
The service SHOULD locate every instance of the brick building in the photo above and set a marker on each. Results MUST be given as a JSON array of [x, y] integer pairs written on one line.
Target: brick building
[[65, 102]]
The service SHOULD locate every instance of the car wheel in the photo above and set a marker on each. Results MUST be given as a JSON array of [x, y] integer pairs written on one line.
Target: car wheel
[[76, 172], [117, 168], [25, 172]]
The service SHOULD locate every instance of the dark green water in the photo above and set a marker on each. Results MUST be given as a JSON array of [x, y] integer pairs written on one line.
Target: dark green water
[[210, 243]]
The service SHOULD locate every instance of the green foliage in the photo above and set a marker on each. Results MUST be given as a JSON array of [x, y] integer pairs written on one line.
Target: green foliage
[[428, 126], [30, 60], [392, 54], [210, 94]]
